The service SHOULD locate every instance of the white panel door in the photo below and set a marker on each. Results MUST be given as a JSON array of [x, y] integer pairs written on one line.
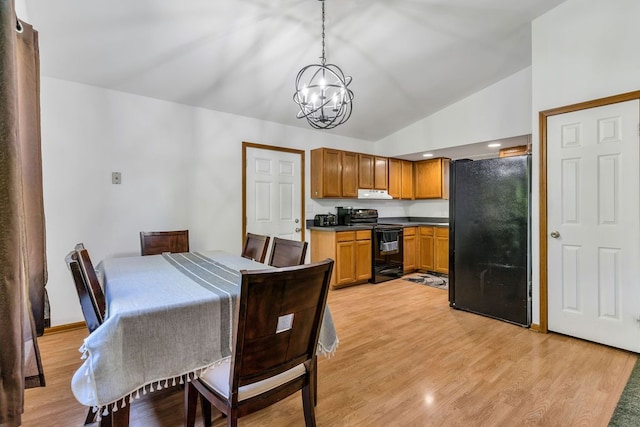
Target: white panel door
[[594, 224], [274, 198]]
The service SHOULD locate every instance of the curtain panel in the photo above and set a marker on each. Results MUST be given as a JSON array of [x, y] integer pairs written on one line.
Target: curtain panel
[[21, 262]]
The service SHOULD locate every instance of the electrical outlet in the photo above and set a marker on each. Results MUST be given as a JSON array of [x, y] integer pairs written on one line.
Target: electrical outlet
[[116, 178]]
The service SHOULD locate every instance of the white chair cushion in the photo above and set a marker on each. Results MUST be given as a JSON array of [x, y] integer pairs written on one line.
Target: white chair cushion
[[217, 378]]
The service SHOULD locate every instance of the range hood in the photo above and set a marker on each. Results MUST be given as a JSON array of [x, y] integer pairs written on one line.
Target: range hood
[[373, 194]]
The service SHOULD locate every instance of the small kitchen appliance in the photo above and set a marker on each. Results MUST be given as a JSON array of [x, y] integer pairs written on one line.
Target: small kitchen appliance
[[325, 220]]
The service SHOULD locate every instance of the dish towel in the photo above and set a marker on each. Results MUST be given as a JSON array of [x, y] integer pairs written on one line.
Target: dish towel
[[389, 242]]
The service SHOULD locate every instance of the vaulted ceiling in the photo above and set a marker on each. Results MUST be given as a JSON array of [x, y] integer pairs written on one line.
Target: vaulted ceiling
[[408, 58]]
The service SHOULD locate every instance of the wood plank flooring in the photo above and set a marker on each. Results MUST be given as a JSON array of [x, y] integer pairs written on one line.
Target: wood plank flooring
[[405, 359]]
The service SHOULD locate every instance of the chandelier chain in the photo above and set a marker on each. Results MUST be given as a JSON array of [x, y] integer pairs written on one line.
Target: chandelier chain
[[323, 56]]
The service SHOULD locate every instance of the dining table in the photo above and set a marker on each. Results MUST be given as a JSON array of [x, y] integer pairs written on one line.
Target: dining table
[[168, 318]]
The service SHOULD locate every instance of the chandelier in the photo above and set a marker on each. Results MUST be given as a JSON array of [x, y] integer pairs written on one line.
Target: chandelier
[[322, 92]]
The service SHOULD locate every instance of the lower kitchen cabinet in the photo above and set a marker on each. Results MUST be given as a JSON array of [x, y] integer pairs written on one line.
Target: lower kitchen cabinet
[[351, 251], [410, 249], [441, 250], [425, 243], [434, 249]]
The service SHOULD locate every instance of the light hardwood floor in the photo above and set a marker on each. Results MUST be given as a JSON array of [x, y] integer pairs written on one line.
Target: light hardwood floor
[[405, 359]]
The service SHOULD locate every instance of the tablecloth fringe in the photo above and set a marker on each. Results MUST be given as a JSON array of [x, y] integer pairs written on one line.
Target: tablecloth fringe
[[328, 352], [151, 387]]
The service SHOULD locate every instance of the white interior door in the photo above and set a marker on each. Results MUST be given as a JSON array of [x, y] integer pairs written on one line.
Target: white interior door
[[273, 193], [594, 224]]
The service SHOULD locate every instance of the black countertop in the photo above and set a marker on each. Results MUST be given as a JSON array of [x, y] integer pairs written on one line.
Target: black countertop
[[404, 221]]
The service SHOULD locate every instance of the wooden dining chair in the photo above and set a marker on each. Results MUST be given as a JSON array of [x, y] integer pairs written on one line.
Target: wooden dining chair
[[276, 327], [286, 253], [255, 247], [158, 242], [93, 304], [92, 301], [88, 287]]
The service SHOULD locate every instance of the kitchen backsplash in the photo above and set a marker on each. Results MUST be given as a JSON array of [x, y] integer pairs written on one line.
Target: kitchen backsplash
[[386, 208]]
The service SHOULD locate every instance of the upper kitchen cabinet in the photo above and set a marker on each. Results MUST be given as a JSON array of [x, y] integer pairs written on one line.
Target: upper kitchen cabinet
[[372, 172], [334, 173], [349, 174], [514, 151], [432, 179], [400, 179]]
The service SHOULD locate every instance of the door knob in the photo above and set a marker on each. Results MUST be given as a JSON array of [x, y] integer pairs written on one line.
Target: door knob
[[555, 234], [298, 229]]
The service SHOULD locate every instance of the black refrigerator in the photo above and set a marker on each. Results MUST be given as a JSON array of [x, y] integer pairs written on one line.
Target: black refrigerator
[[489, 240]]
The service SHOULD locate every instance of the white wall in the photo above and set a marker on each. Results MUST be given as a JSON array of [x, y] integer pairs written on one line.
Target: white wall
[[499, 111], [582, 50], [181, 168], [21, 10]]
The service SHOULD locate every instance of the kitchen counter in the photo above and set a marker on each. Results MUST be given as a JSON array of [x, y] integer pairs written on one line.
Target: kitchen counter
[[417, 223], [335, 228], [404, 221]]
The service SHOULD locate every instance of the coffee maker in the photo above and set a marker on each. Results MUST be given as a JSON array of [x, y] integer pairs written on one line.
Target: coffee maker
[[344, 215]]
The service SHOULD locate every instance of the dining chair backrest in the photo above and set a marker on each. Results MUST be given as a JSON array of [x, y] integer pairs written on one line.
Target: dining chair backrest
[[255, 247], [277, 324], [278, 320], [88, 287], [158, 242], [287, 253]]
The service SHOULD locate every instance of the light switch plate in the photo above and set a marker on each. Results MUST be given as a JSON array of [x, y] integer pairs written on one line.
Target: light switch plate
[[116, 178]]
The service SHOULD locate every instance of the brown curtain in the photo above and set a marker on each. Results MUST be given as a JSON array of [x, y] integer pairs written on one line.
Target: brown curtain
[[22, 260]]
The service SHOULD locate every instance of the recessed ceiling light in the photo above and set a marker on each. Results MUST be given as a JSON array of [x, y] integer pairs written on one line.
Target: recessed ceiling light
[[427, 155], [494, 145]]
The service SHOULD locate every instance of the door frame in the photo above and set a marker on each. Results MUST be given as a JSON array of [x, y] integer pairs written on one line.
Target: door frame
[[542, 123], [245, 146]]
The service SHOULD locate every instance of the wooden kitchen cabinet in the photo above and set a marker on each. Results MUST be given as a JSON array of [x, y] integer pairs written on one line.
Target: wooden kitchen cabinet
[[425, 244], [349, 174], [334, 173], [395, 178], [407, 180], [351, 251], [432, 179], [365, 171], [400, 179], [380, 173], [410, 249], [434, 249], [372, 172], [514, 151], [441, 250]]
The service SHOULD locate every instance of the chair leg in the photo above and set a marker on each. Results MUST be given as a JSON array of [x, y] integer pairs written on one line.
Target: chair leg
[[190, 404], [91, 417], [116, 419], [232, 419], [314, 381], [308, 406], [206, 411]]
